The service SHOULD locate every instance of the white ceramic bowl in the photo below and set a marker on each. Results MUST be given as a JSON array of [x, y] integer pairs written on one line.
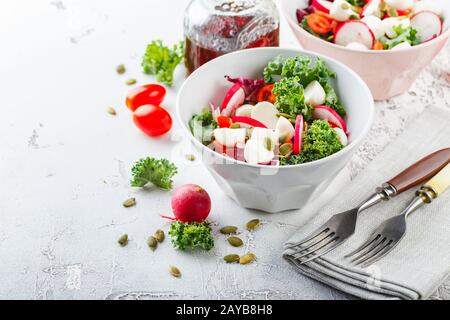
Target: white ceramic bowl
[[387, 72], [272, 189]]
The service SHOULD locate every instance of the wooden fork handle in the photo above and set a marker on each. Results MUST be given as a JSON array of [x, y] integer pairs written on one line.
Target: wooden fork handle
[[420, 171]]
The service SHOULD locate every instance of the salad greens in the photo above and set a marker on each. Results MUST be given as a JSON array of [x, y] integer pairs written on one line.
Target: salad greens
[[319, 142], [191, 235], [202, 126], [156, 171], [408, 34], [161, 61], [291, 99]]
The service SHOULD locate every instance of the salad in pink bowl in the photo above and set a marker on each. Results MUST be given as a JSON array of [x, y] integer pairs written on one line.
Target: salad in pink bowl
[[373, 24], [290, 115]]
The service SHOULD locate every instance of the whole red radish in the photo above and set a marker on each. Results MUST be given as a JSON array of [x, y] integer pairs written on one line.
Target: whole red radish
[[191, 203]]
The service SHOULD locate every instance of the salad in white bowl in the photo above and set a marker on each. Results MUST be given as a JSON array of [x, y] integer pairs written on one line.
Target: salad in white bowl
[[290, 115], [373, 24]]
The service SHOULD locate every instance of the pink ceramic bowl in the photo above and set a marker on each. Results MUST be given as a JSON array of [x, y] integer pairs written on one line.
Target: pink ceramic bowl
[[387, 73]]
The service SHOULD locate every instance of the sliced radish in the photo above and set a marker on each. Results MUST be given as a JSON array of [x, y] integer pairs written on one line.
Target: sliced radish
[[342, 136], [357, 46], [326, 113], [255, 152], [388, 25], [400, 4], [234, 98], [314, 93], [266, 113], [341, 10], [354, 31], [261, 134], [229, 137], [249, 121], [375, 25], [428, 5], [322, 5], [372, 8], [285, 129], [402, 45], [298, 136], [244, 111], [428, 25]]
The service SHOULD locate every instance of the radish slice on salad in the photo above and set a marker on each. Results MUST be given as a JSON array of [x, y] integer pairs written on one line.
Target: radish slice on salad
[[266, 113], [262, 134], [322, 5], [298, 136], [326, 113], [372, 8], [234, 98], [400, 4], [256, 152], [402, 45], [229, 137], [428, 25], [314, 93], [249, 121], [341, 10], [357, 46], [354, 31], [427, 5], [342, 136], [244, 111], [375, 25], [285, 129]]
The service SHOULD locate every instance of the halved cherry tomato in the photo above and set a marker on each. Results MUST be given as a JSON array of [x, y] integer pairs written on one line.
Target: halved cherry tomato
[[224, 121], [318, 23], [146, 94], [152, 120], [266, 94]]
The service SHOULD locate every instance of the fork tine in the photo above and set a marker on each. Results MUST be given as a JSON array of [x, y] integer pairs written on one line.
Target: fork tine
[[316, 242], [374, 253], [333, 239], [310, 237], [317, 255], [391, 244], [361, 247], [373, 244]]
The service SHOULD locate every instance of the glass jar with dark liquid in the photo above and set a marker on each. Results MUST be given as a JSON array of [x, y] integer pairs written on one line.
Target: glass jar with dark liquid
[[215, 27]]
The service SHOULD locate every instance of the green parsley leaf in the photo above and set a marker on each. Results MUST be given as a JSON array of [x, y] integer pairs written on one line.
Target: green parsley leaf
[[191, 235], [156, 171]]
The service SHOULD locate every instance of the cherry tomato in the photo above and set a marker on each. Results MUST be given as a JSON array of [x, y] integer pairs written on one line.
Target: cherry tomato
[[223, 121], [266, 94], [152, 120], [146, 94]]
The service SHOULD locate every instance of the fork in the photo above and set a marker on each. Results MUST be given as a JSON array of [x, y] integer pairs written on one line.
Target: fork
[[388, 235], [341, 226]]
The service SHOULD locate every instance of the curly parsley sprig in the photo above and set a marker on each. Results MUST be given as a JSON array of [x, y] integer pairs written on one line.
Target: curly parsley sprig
[[156, 171]]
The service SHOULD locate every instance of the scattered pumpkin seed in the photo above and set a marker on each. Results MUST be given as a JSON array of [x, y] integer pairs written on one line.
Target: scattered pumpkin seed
[[235, 241], [174, 271], [152, 243], [247, 258], [131, 82], [252, 224], [286, 149], [120, 69], [228, 230], [231, 258], [111, 111], [235, 126], [190, 157], [123, 240], [129, 202], [159, 235]]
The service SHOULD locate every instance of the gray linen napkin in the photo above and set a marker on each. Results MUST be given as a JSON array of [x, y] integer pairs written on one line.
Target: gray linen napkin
[[421, 262]]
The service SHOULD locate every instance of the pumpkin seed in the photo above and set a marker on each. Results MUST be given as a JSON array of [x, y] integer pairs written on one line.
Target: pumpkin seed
[[111, 111], [131, 82], [247, 258], [174, 271], [228, 230], [286, 149], [231, 258], [159, 235], [129, 202], [268, 144], [152, 243], [284, 115], [190, 157], [235, 241], [120, 69], [123, 240], [235, 126], [252, 224]]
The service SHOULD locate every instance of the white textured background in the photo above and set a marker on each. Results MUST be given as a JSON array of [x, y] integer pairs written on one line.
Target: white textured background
[[64, 163]]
